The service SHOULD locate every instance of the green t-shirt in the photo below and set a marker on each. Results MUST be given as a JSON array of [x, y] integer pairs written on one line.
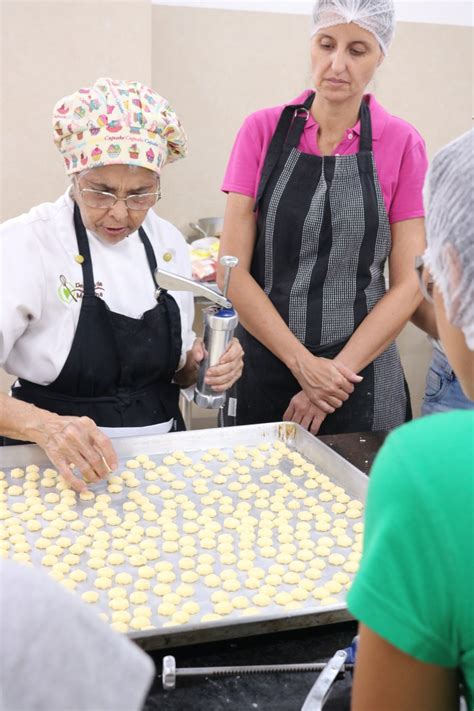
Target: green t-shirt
[[415, 586]]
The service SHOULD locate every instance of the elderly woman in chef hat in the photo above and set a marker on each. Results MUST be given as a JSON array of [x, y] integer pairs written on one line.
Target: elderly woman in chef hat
[[415, 589], [83, 327], [323, 192]]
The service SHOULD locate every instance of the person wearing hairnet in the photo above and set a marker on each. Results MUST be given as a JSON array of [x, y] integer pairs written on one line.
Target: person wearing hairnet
[[414, 591], [61, 656], [91, 339], [322, 192]]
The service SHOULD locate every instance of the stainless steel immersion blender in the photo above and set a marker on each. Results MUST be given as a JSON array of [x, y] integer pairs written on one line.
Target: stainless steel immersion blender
[[220, 321]]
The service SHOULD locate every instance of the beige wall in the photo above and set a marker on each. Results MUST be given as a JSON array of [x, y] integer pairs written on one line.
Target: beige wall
[[215, 66], [49, 49]]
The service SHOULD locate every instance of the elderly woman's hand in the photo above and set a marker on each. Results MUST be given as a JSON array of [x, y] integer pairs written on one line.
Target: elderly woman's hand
[[229, 368], [78, 441], [302, 411]]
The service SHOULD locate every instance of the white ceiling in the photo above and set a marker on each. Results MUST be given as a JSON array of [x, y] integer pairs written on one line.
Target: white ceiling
[[444, 12]]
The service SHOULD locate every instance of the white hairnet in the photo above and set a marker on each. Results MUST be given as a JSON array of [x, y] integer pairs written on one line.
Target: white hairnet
[[450, 231], [375, 16]]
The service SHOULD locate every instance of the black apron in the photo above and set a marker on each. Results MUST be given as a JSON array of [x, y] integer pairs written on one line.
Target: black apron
[[119, 370], [323, 237]]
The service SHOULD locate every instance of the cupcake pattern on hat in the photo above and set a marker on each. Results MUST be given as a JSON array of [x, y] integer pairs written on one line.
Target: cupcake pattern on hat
[[117, 121]]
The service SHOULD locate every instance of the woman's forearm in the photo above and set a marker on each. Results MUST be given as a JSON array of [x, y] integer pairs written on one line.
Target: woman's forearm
[[187, 375], [20, 420], [425, 319], [380, 328]]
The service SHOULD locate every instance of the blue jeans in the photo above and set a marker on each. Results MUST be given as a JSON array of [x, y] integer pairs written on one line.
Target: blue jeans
[[443, 391]]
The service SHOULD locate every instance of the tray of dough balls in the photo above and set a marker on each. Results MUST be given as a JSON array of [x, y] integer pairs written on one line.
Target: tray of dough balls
[[198, 535]]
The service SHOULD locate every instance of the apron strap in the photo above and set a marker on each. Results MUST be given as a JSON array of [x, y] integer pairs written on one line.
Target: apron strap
[[84, 251], [365, 128], [294, 117], [160, 293], [150, 254]]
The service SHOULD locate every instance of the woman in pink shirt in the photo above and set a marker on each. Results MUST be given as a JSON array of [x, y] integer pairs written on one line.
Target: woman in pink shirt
[[322, 192]]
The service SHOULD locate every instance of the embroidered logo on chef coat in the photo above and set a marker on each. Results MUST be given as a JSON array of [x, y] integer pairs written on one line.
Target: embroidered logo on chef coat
[[69, 292]]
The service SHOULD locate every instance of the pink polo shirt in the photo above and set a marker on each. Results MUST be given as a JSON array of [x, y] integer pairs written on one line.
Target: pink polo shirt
[[399, 154]]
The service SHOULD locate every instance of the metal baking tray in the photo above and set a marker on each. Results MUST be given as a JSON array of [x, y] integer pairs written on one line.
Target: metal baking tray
[[193, 444]]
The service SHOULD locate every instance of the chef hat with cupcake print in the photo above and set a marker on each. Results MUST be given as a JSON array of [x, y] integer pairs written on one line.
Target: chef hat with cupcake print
[[117, 122]]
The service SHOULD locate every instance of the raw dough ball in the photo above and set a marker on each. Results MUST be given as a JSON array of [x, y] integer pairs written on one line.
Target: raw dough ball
[[344, 541], [166, 609], [106, 572], [90, 596], [115, 559], [261, 599], [351, 566], [354, 513], [123, 579], [121, 616], [170, 547], [138, 560], [231, 585], [322, 551], [191, 607], [165, 576], [138, 597], [103, 583], [146, 571], [210, 616], [95, 563], [223, 608], [283, 598], [341, 578], [322, 526], [336, 559], [299, 593], [185, 590], [49, 560], [15, 490], [212, 581], [142, 584], [117, 593], [140, 623], [118, 603], [329, 600]]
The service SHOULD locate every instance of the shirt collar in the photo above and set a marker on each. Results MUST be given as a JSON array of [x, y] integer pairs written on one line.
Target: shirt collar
[[377, 113]]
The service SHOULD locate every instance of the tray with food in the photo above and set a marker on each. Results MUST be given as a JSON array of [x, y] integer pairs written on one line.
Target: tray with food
[[198, 535]]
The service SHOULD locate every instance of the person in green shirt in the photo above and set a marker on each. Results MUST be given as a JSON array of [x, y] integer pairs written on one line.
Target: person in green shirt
[[414, 593]]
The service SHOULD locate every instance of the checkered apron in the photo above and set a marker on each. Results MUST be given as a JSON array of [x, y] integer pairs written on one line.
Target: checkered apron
[[323, 237]]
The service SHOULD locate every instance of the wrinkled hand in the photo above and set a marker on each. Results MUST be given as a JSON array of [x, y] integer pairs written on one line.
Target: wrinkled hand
[[302, 411], [76, 440], [229, 368], [327, 383]]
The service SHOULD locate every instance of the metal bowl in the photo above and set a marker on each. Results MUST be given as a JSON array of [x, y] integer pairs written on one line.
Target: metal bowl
[[208, 226]]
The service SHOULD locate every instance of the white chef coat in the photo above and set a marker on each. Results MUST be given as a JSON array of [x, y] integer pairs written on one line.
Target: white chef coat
[[38, 254]]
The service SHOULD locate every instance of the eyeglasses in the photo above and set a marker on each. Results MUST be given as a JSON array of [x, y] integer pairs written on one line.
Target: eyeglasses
[[425, 280], [102, 200]]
